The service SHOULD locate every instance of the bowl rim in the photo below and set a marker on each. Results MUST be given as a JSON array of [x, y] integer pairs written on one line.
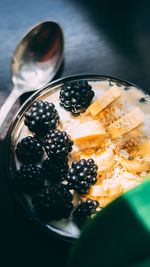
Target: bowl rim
[[43, 226]]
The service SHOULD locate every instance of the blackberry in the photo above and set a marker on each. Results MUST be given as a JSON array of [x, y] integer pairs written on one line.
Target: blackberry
[[41, 118], [55, 169], [82, 175], [76, 96], [57, 144], [29, 150], [30, 178], [53, 203], [85, 210]]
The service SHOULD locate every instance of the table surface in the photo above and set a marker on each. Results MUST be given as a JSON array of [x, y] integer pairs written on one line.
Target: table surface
[[103, 37]]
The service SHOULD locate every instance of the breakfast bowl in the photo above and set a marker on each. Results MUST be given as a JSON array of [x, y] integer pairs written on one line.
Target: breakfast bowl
[[76, 145]]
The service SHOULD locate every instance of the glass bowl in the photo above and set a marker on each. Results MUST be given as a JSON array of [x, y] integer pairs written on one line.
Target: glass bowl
[[66, 230]]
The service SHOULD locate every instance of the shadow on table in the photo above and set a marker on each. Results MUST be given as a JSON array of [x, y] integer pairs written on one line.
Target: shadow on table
[[22, 242], [125, 23]]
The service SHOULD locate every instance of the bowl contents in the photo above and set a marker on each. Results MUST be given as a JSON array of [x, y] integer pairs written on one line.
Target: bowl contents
[[81, 147]]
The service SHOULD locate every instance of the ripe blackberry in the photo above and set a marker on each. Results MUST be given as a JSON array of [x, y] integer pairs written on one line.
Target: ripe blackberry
[[42, 117], [57, 144], [30, 178], [82, 175], [76, 96], [55, 169], [85, 210], [29, 150], [53, 203]]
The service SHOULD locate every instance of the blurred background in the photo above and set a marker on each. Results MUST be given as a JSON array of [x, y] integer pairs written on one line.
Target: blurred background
[[102, 37], [106, 37]]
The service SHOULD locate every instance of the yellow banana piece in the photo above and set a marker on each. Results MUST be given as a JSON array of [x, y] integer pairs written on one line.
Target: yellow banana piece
[[105, 193], [128, 122], [104, 160], [142, 150], [89, 130], [111, 95], [135, 165], [139, 159], [109, 189]]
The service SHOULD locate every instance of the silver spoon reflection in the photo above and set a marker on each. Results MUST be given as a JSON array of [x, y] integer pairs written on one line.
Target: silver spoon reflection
[[35, 62]]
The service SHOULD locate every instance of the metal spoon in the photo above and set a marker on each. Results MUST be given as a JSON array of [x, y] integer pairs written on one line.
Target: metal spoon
[[35, 62]]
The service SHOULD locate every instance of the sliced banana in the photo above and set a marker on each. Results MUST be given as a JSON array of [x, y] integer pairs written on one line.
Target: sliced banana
[[129, 139], [111, 188], [105, 193], [108, 188], [139, 159], [142, 150], [127, 184], [111, 95], [128, 122], [135, 165], [104, 159], [88, 131]]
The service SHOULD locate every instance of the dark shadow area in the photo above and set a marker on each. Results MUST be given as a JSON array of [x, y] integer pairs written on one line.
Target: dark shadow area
[[15, 246], [123, 34], [123, 22]]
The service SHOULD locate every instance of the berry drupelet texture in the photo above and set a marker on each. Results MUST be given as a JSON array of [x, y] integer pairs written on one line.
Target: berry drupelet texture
[[29, 150], [57, 144], [82, 175], [76, 96], [55, 169], [41, 118], [53, 203], [84, 211], [29, 178]]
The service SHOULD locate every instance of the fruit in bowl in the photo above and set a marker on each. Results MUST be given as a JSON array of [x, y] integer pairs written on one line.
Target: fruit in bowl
[[76, 145]]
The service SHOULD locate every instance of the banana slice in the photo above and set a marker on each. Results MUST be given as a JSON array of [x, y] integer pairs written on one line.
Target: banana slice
[[142, 150], [135, 165], [139, 158], [130, 139], [106, 189], [104, 160], [128, 184], [88, 131], [114, 191], [105, 193], [111, 95], [128, 122]]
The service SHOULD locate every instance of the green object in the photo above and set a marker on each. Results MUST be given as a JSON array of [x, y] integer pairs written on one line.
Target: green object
[[144, 263], [119, 235]]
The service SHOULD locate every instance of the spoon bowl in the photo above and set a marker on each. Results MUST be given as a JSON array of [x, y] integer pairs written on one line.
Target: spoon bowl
[[35, 62], [38, 56]]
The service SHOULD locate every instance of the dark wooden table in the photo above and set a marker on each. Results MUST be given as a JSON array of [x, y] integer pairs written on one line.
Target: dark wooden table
[[104, 37]]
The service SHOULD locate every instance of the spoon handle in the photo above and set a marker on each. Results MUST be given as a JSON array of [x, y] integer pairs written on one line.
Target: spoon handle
[[7, 106]]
